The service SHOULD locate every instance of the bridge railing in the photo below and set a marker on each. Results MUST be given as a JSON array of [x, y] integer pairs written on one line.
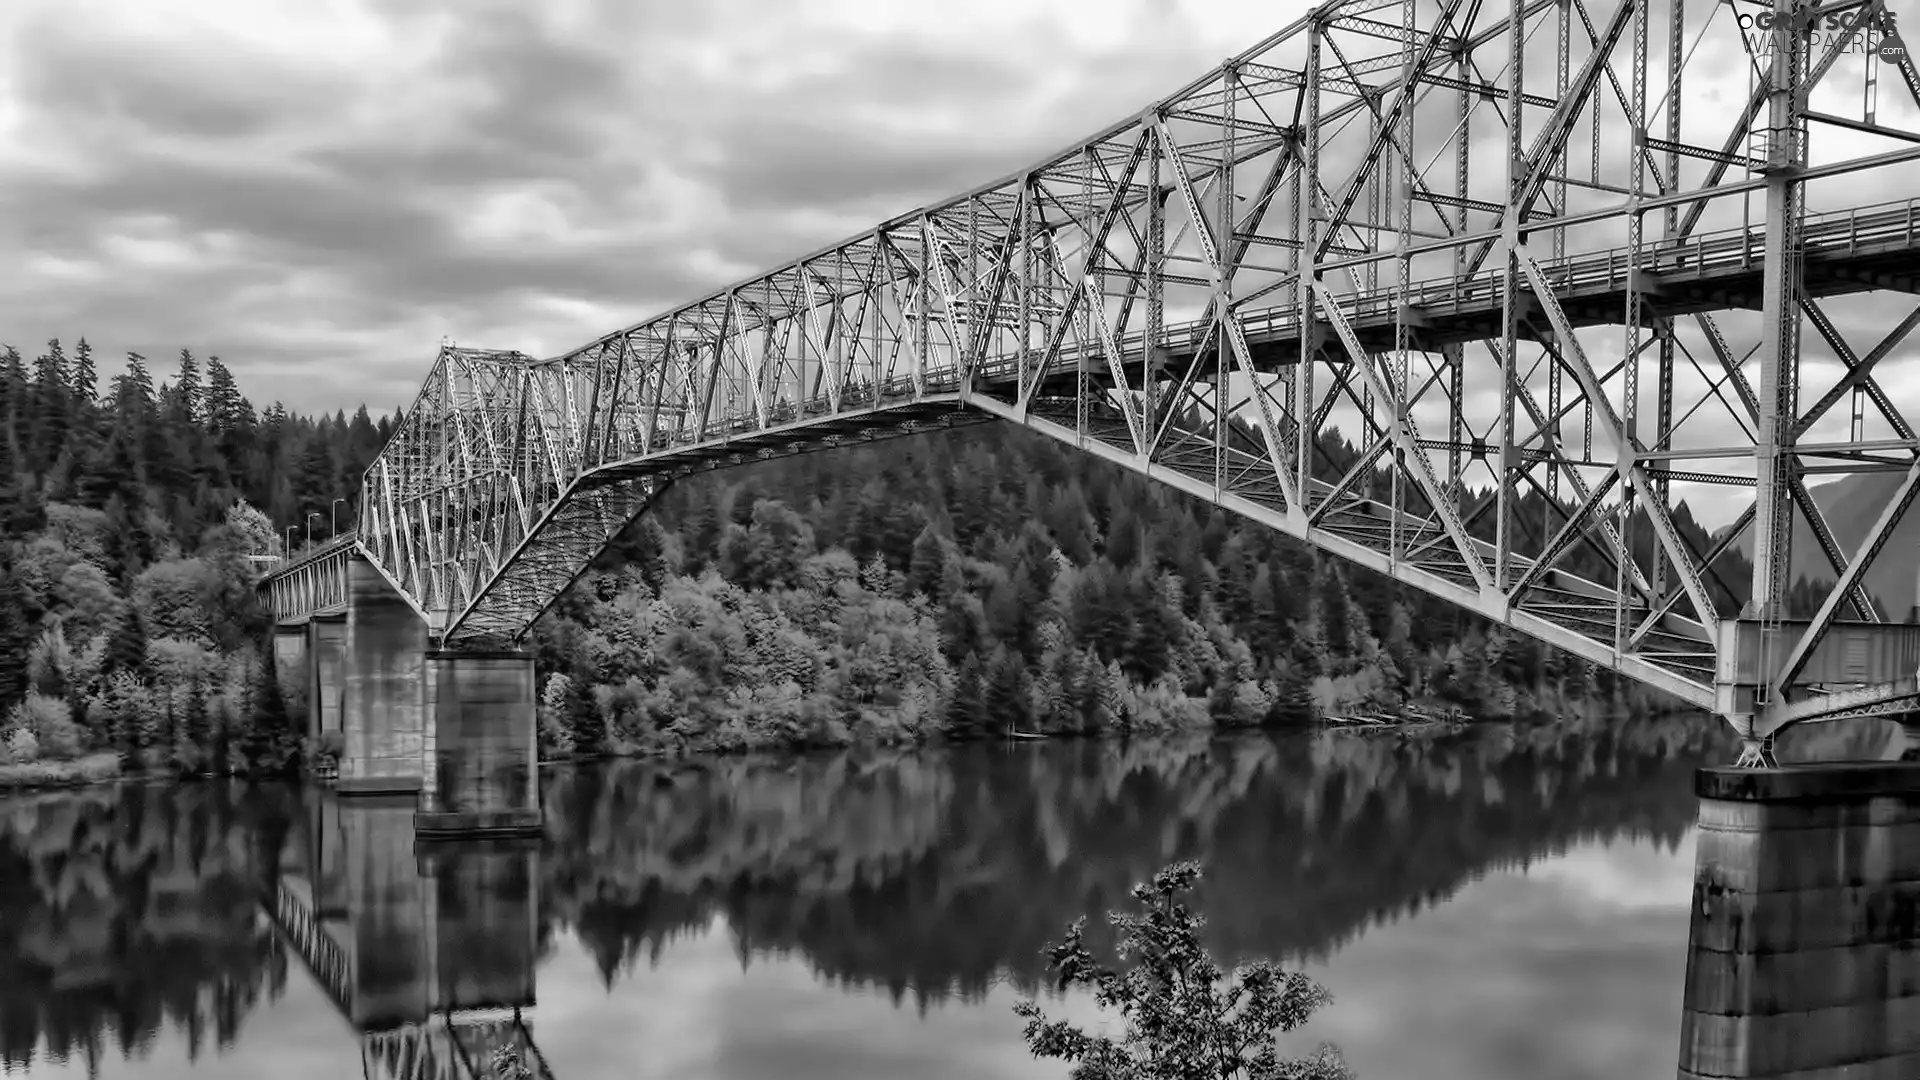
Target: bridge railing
[[318, 551]]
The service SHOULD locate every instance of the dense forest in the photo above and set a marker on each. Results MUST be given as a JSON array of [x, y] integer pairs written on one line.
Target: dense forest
[[957, 583], [129, 629]]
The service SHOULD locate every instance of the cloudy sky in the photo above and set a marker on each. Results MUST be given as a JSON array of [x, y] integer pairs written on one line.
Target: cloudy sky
[[319, 190]]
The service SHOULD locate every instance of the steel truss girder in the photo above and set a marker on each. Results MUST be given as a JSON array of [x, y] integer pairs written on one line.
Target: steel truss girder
[[1291, 244]]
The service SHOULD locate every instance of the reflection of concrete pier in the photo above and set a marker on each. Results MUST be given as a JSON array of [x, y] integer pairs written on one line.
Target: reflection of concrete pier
[[429, 955], [1804, 957]]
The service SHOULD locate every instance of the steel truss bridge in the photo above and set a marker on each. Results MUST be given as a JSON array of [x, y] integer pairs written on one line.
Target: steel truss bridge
[[1557, 265]]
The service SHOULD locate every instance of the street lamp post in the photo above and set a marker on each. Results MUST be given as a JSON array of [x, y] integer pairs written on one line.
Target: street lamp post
[[333, 519], [290, 530], [311, 514]]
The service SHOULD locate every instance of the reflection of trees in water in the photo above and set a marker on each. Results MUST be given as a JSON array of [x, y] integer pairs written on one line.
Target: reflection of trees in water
[[122, 909], [931, 873], [928, 873]]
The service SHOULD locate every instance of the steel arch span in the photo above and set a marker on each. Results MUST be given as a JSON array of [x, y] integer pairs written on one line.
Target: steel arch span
[[1584, 259]]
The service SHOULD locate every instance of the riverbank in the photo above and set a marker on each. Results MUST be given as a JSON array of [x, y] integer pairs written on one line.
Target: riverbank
[[77, 772]]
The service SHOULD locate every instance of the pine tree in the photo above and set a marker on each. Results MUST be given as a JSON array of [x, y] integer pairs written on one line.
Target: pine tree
[[50, 420], [928, 563], [186, 390], [86, 380], [13, 390], [583, 718], [133, 391], [223, 398], [1293, 701], [1006, 686], [270, 745], [196, 730], [15, 638], [20, 510], [127, 648], [967, 711]]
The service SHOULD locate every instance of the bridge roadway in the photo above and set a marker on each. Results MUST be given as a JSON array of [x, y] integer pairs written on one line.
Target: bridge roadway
[[1876, 247]]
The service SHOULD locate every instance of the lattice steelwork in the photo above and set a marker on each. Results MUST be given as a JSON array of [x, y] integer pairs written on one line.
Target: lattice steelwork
[[462, 1045], [1511, 253]]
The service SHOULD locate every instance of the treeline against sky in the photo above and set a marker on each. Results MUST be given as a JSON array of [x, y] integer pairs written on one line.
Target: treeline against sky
[[958, 583], [128, 511]]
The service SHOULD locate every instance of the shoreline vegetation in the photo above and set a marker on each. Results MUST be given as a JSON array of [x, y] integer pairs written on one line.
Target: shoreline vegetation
[[950, 585]]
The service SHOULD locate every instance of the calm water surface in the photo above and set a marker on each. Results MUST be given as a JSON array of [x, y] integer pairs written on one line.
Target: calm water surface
[[1502, 904]]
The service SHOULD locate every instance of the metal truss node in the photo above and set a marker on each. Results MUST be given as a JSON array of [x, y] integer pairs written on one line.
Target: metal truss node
[[1551, 292]]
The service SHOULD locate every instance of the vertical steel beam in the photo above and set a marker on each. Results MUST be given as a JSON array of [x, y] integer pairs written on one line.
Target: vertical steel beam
[[1306, 240], [1780, 342]]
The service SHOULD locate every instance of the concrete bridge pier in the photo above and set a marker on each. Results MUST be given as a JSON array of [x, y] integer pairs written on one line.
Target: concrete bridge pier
[[482, 752], [453, 728], [1803, 958]]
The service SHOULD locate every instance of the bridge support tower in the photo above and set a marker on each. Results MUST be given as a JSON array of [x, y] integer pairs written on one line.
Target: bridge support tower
[[1803, 959], [455, 728]]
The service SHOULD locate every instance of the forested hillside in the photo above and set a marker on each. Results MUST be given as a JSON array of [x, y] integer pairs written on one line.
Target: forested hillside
[[128, 625], [958, 583], [974, 580]]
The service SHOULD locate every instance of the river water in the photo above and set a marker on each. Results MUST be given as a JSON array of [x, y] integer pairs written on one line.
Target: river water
[[1504, 904]]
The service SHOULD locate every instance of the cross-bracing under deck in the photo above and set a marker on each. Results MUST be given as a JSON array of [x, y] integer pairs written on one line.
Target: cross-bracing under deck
[[1557, 271]]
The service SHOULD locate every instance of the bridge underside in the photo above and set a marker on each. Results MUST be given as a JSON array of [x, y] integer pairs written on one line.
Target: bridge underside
[[1352, 226]]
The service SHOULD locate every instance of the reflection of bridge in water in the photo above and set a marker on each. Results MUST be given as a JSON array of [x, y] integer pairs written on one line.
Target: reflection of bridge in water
[[429, 953]]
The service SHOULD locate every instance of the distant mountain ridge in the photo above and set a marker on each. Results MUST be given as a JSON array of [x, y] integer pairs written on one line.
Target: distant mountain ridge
[[1851, 505]]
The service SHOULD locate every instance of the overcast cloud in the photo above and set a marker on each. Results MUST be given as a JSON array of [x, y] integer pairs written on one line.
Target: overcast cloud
[[319, 191]]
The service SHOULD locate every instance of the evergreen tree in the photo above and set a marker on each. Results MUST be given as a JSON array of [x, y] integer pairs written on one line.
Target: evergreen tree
[[1293, 698], [86, 379], [927, 565], [271, 744], [127, 648], [15, 638], [196, 731], [967, 712], [583, 718], [186, 390], [13, 391]]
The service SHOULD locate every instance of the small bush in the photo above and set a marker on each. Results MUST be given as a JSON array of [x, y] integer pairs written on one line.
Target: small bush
[[87, 770], [51, 722], [22, 747]]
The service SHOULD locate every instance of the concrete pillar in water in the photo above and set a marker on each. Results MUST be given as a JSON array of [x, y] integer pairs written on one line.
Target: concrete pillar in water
[[326, 659], [290, 667], [453, 728], [383, 705], [482, 746], [1804, 955]]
